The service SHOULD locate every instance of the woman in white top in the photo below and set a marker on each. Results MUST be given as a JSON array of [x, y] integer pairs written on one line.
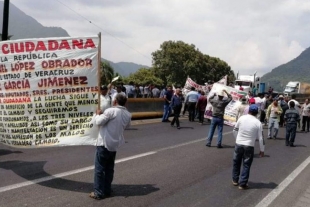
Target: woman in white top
[[305, 113]]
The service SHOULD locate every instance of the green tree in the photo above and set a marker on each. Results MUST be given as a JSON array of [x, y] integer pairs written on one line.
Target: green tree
[[144, 76], [176, 60], [107, 73]]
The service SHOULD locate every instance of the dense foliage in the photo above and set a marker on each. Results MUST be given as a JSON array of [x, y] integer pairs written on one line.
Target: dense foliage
[[107, 73], [176, 60], [172, 64], [144, 76]]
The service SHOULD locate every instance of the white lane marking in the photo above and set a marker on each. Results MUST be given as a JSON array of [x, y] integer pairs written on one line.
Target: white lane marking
[[72, 172], [187, 143], [40, 180], [278, 190]]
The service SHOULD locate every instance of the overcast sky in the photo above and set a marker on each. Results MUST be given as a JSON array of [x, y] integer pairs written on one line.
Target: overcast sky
[[250, 35]]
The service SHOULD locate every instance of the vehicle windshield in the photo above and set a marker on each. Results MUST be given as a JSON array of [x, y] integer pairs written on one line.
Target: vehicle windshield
[[243, 83], [290, 88]]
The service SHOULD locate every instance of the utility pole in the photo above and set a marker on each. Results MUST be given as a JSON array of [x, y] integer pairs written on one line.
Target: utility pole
[[5, 24]]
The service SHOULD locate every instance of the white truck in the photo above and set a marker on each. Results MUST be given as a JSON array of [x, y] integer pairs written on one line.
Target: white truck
[[247, 82], [296, 87]]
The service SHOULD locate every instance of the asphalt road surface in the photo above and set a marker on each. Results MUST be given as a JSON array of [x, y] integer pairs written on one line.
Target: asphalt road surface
[[158, 166]]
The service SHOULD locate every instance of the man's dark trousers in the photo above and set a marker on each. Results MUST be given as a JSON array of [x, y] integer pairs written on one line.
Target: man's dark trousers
[[305, 123], [262, 116], [201, 116], [245, 154], [176, 114], [290, 133], [191, 110], [104, 171]]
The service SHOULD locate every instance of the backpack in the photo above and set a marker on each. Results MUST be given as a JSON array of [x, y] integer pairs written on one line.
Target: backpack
[[284, 105]]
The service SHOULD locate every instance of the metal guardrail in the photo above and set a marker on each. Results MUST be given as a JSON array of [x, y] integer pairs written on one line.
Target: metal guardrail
[[142, 108], [145, 107]]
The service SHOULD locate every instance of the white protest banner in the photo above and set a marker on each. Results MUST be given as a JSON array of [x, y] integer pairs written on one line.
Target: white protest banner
[[231, 109], [223, 80], [49, 91], [190, 83]]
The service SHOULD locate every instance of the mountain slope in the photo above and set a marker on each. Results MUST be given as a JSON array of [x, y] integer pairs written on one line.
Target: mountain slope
[[125, 68], [23, 26], [297, 69]]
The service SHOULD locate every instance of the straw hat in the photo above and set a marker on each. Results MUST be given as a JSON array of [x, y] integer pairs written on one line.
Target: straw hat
[[220, 93]]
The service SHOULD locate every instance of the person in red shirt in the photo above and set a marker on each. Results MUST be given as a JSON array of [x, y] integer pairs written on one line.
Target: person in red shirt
[[240, 88], [252, 101], [201, 106]]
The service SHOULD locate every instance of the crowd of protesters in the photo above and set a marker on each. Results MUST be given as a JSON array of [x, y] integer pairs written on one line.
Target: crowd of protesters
[[195, 102], [271, 110], [253, 112], [141, 91], [195, 108]]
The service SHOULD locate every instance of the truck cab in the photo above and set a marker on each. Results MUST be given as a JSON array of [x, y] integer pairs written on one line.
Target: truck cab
[[292, 87], [247, 82]]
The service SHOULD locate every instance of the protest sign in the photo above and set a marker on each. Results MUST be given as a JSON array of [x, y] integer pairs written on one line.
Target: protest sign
[[49, 91], [190, 83], [231, 109], [223, 80], [206, 88]]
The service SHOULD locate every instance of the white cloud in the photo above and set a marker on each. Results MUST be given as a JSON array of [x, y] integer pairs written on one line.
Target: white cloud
[[249, 35]]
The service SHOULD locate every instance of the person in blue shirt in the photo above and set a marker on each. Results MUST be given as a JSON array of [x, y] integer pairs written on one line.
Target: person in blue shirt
[[176, 105], [167, 108], [191, 101]]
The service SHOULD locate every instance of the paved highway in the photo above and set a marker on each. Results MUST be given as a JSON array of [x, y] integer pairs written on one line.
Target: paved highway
[[158, 166]]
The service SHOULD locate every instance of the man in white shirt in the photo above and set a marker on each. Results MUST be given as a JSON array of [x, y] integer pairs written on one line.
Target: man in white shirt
[[247, 129], [297, 105], [262, 109], [146, 91], [112, 125], [305, 113], [191, 100], [118, 91], [141, 91], [155, 92], [259, 102], [105, 98]]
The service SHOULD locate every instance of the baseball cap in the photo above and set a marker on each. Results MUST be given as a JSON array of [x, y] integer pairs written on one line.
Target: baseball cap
[[253, 108], [281, 96], [104, 88]]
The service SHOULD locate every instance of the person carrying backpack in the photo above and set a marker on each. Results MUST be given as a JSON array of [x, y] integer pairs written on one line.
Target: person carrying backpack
[[284, 106]]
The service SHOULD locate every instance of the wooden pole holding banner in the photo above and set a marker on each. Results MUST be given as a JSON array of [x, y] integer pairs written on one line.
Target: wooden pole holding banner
[[99, 69], [5, 23]]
